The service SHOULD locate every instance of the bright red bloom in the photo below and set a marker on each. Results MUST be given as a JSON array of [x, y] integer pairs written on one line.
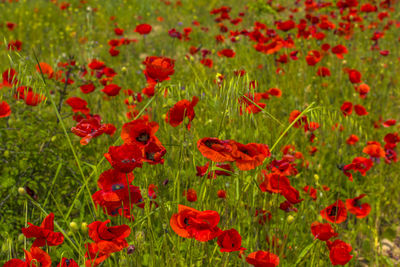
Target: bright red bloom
[[32, 258], [299, 123], [359, 164], [30, 98], [360, 110], [323, 231], [180, 110], [362, 89], [230, 240], [44, 233], [87, 88], [360, 210], [313, 57], [78, 104], [248, 157], [100, 251], [99, 231], [215, 150], [125, 158], [286, 25], [352, 139], [273, 182], [91, 127], [323, 72], [339, 252], [347, 108], [311, 191], [335, 213], [5, 109], [114, 196], [46, 69], [153, 152], [96, 64], [339, 50], [374, 150], [139, 131], [207, 62], [15, 45], [143, 29], [226, 53], [262, 259], [9, 78], [354, 76], [221, 194], [158, 69], [111, 89], [191, 223], [67, 263]]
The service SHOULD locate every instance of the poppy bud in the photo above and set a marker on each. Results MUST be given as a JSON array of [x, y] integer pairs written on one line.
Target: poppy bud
[[84, 227], [54, 138], [316, 177], [131, 249], [123, 69], [21, 238], [74, 226], [290, 219], [6, 153], [21, 191]]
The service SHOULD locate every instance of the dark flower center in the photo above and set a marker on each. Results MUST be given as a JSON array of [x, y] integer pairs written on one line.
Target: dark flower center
[[150, 155], [333, 211], [143, 137], [186, 221]]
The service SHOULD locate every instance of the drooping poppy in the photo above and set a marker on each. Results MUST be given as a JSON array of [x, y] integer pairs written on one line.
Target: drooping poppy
[[44, 233], [335, 213]]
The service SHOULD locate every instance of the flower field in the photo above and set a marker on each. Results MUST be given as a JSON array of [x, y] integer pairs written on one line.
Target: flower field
[[199, 133]]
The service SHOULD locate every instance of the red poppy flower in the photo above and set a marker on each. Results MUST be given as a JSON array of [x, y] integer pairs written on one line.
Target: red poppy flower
[[99, 231], [273, 182], [230, 240], [286, 25], [323, 72], [158, 69], [360, 110], [78, 104], [360, 210], [286, 206], [347, 108], [15, 45], [323, 231], [299, 123], [191, 223], [111, 89], [190, 194], [368, 8], [339, 50], [248, 157], [311, 191], [67, 263], [10, 25], [100, 251], [215, 150], [374, 149], [226, 53], [125, 158], [9, 78], [5, 109], [207, 62], [354, 76], [359, 164], [44, 233], [353, 139], [30, 98], [362, 89], [389, 122], [183, 108], [96, 64], [221, 194], [335, 213], [119, 31], [139, 131], [291, 194], [339, 252], [263, 258], [87, 88], [46, 69], [32, 258], [91, 127], [143, 29], [153, 152], [313, 57]]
